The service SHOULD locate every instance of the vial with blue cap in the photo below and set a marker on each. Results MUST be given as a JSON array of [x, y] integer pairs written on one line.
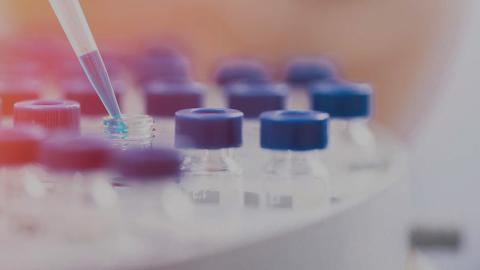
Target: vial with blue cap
[[253, 99], [163, 100], [149, 186], [354, 151], [293, 177], [208, 137]]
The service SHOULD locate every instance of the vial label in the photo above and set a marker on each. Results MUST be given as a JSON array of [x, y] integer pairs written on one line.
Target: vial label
[[363, 166], [279, 201], [205, 196], [251, 199]]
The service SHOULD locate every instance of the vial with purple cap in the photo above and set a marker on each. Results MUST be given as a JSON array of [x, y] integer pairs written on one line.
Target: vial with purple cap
[[293, 178], [253, 99], [354, 151], [82, 202], [301, 72], [161, 63], [208, 136], [78, 170], [149, 185], [163, 100], [240, 71]]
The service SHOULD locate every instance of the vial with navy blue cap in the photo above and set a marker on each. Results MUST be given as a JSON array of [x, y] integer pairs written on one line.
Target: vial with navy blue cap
[[303, 71], [253, 99], [353, 147], [293, 177], [208, 136], [164, 99], [149, 186]]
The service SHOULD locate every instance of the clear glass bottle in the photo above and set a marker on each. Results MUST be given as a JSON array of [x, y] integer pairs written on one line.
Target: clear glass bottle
[[149, 189], [77, 169], [164, 99], [211, 175], [354, 154], [293, 178], [130, 131]]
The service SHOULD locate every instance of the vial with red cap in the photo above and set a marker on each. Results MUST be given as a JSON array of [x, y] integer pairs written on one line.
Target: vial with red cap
[[149, 185], [52, 115], [21, 188], [208, 137], [16, 89], [92, 108]]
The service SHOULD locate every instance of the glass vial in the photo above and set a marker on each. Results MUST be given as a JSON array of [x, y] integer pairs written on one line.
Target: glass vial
[[21, 190], [354, 154], [130, 131], [149, 189], [211, 174], [77, 169], [293, 178], [92, 109]]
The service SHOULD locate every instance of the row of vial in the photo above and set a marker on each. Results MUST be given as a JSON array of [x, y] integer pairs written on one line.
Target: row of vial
[[293, 177]]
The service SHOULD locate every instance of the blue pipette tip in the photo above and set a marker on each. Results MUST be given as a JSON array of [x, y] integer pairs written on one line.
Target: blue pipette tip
[[115, 126]]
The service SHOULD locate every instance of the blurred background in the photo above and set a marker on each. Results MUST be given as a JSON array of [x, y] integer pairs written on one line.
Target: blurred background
[[420, 56]]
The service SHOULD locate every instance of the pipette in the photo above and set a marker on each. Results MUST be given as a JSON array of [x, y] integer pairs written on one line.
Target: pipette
[[75, 25]]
